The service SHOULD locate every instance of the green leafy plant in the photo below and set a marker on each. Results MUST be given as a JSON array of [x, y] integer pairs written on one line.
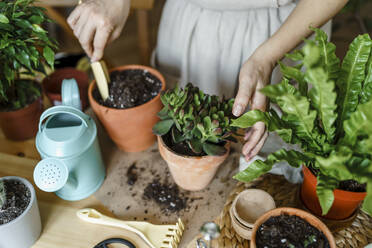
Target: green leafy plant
[[24, 44], [331, 121], [2, 194], [198, 119]]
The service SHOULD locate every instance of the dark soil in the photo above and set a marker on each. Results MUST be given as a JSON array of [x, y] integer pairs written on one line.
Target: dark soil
[[130, 88], [132, 174], [18, 197], [348, 185], [166, 196], [285, 231], [180, 148]]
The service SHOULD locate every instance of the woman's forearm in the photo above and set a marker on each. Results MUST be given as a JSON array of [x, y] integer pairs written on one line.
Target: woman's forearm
[[307, 13]]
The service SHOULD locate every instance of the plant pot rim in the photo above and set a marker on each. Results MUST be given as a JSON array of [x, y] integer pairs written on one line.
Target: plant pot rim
[[161, 141], [32, 198], [344, 194], [153, 71], [318, 224]]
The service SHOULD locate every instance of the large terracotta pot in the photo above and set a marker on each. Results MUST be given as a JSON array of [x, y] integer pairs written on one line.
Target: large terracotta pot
[[130, 129], [22, 124], [52, 85], [191, 172], [311, 219], [344, 205]]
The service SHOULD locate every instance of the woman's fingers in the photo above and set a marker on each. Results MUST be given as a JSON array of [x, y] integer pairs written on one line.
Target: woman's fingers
[[86, 38], [258, 131], [74, 17], [246, 86], [258, 147], [100, 40]]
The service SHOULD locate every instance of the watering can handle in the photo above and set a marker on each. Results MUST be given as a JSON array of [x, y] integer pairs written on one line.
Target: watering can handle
[[70, 93], [63, 110]]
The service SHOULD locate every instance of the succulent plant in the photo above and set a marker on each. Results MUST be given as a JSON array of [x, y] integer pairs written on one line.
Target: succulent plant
[[2, 194], [200, 120]]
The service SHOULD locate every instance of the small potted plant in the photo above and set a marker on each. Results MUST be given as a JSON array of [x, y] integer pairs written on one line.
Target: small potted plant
[[23, 45], [290, 227], [20, 224], [331, 122], [193, 135], [129, 112]]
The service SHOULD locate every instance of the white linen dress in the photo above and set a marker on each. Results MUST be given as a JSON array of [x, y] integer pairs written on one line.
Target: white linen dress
[[206, 41]]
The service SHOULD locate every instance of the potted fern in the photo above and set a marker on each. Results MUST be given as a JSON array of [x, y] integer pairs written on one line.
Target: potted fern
[[194, 135], [24, 44], [20, 224], [330, 121]]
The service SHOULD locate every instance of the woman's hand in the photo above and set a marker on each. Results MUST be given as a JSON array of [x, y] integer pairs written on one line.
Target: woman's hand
[[97, 22], [254, 75]]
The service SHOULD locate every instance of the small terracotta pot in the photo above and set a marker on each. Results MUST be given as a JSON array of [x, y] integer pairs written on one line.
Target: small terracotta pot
[[344, 205], [191, 172], [52, 85], [22, 124], [130, 129], [311, 219]]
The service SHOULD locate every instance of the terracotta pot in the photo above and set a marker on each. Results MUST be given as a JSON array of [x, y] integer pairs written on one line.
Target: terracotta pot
[[344, 205], [191, 172], [52, 85], [130, 129], [22, 124], [311, 219]]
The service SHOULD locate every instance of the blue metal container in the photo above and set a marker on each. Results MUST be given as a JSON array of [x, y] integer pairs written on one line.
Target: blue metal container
[[72, 165]]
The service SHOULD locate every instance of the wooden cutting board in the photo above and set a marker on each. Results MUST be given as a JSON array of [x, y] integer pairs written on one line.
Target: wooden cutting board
[[61, 227]]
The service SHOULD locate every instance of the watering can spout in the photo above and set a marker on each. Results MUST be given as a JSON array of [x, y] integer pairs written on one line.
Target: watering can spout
[[70, 93]]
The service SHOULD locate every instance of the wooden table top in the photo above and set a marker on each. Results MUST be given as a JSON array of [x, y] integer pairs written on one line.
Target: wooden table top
[[61, 227]]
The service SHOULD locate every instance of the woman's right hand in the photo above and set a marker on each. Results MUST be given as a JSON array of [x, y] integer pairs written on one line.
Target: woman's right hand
[[98, 22]]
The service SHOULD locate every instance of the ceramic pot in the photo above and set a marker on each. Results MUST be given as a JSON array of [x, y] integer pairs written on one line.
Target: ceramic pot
[[25, 230], [344, 205], [52, 85], [130, 129], [311, 219], [191, 172], [22, 124]]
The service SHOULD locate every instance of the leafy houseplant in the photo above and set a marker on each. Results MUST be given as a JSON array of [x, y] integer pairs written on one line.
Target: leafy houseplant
[[200, 120], [331, 121], [24, 44], [194, 134]]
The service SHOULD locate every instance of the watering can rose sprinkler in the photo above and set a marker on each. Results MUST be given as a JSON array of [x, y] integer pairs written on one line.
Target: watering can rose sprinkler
[[71, 164]]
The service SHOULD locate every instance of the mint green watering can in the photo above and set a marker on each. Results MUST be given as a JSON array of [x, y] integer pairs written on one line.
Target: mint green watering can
[[71, 164]]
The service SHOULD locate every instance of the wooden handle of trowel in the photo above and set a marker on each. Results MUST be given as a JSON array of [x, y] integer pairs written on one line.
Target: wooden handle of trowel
[[102, 78]]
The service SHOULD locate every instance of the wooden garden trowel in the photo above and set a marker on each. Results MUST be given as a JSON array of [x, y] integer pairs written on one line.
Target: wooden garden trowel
[[102, 78]]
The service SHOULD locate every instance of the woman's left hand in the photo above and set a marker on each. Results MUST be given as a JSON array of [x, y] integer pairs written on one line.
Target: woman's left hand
[[254, 75]]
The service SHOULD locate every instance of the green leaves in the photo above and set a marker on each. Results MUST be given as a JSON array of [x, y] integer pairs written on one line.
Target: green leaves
[[49, 56], [21, 35], [324, 189], [298, 116], [323, 95], [359, 124], [367, 204], [200, 120], [352, 74], [3, 19], [259, 167], [162, 127]]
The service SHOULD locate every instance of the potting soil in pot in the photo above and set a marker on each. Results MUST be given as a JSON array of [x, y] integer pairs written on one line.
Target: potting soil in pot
[[130, 88], [289, 231], [347, 185], [18, 197]]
